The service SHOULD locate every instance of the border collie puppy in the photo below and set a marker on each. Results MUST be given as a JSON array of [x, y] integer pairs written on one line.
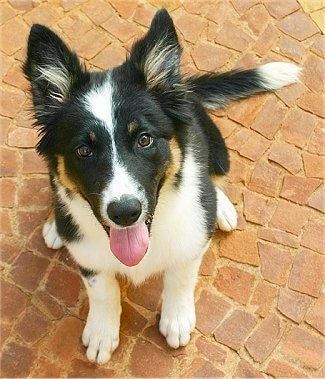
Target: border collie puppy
[[135, 164]]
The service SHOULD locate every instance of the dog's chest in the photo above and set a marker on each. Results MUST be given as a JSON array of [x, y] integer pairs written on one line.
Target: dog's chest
[[177, 235]]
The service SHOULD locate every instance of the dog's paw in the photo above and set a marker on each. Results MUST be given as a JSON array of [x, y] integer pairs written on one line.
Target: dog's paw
[[176, 325], [226, 212], [51, 236], [101, 340]]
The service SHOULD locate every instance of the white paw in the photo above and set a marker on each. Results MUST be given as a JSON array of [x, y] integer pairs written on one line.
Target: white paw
[[176, 325], [101, 339], [226, 212], [51, 236]]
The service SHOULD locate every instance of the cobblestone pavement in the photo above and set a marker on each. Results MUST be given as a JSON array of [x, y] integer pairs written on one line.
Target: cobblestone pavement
[[260, 297]]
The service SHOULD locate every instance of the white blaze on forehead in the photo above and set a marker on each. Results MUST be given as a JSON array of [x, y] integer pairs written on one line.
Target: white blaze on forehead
[[99, 102]]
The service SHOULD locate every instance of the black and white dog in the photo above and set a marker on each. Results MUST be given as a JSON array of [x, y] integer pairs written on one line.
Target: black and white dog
[[135, 165]]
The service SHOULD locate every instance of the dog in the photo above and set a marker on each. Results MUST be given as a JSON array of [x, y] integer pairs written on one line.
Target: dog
[[136, 164]]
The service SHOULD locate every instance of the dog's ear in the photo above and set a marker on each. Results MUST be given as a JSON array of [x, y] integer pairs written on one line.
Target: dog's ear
[[156, 58], [51, 68], [157, 54]]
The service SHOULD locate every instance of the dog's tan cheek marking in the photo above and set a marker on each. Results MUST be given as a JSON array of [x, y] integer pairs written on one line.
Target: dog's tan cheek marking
[[63, 176], [176, 158], [218, 180]]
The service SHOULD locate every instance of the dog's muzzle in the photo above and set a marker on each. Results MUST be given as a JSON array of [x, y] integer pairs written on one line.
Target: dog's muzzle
[[129, 241]]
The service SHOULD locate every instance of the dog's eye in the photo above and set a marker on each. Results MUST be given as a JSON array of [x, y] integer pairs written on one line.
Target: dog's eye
[[84, 151], [145, 140]]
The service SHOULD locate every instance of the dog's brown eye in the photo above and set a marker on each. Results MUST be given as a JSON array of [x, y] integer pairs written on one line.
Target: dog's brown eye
[[84, 151], [145, 140]]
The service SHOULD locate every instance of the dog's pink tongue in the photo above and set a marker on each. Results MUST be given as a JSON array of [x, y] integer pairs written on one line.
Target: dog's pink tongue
[[129, 245]]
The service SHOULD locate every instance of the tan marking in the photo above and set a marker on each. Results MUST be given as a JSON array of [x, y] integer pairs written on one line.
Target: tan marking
[[92, 136], [51, 216], [63, 176], [132, 126], [175, 164], [218, 180]]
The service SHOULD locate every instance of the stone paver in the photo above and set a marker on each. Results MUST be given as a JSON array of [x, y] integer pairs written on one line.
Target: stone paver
[[260, 297]]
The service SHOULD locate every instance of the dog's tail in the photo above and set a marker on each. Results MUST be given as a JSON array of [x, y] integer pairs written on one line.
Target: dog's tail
[[215, 90]]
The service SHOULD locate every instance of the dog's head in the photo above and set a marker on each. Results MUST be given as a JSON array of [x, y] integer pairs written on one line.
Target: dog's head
[[112, 137]]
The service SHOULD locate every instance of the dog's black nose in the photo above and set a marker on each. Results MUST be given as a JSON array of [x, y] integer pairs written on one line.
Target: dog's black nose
[[125, 211]]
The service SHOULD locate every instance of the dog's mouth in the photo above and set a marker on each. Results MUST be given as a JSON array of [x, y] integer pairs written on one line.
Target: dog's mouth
[[130, 244]]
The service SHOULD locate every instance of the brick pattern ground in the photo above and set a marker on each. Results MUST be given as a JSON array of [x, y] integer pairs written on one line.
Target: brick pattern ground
[[260, 297]]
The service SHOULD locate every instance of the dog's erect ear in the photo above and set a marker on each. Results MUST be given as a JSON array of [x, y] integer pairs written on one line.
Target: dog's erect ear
[[51, 68], [156, 57], [157, 54]]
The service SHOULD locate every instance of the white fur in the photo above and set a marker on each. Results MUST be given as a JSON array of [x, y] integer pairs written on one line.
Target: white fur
[[100, 103], [275, 75], [160, 63], [51, 236], [122, 183], [226, 212], [101, 333], [178, 308], [59, 77]]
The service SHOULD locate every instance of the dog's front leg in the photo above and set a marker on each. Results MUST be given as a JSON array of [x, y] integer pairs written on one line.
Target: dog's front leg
[[226, 212], [101, 333], [178, 308]]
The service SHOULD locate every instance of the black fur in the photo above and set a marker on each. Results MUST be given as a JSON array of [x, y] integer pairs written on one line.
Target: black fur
[[216, 90]]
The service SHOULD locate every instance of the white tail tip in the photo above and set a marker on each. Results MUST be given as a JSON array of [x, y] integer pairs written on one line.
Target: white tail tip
[[276, 75]]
